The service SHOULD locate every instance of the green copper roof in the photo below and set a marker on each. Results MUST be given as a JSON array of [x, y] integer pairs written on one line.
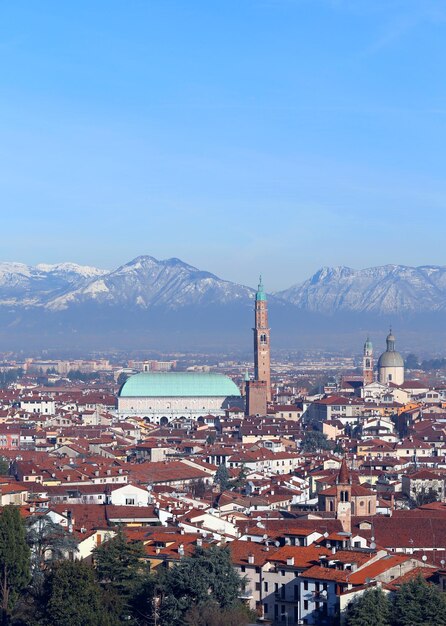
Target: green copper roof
[[178, 384], [260, 295]]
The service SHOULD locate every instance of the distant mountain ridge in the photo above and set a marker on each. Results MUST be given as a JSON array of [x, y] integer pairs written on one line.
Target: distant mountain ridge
[[388, 289], [26, 285], [161, 301], [146, 282]]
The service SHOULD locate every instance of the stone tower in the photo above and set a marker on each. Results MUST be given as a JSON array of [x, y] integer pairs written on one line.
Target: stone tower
[[262, 368], [367, 363], [344, 497]]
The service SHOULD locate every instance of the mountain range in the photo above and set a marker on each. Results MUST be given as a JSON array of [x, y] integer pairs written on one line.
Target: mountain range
[[169, 302]]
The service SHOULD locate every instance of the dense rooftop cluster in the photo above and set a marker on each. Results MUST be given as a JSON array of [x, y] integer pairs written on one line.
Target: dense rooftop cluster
[[322, 497]]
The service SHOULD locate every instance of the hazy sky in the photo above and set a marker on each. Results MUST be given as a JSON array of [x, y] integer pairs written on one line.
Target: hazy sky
[[241, 136]]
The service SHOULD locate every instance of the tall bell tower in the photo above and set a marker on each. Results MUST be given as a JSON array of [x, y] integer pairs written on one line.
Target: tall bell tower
[[367, 362], [262, 356]]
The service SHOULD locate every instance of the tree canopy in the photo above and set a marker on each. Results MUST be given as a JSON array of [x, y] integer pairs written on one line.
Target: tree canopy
[[125, 577], [371, 609], [14, 558], [314, 441], [416, 603], [221, 477], [72, 597], [206, 576]]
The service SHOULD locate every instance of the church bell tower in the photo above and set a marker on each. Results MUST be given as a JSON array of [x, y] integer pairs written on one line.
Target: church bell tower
[[367, 363], [262, 358]]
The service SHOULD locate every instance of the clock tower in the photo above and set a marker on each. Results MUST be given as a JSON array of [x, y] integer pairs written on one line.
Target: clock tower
[[262, 369]]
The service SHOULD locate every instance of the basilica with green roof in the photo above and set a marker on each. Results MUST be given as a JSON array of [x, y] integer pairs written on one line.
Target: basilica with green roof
[[161, 397]]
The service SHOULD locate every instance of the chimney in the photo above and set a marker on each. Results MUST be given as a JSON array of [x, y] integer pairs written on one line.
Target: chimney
[[251, 559], [181, 549], [333, 550], [290, 560], [199, 542]]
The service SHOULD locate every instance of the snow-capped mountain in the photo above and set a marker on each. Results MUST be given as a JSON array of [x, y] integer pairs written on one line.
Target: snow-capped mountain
[[146, 282], [25, 285], [148, 302], [394, 289]]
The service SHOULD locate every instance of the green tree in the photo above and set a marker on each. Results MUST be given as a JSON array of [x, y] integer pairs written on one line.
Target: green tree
[[424, 496], [4, 466], [206, 576], [124, 575], [412, 362], [211, 614], [49, 542], [14, 559], [418, 603], [221, 477], [240, 480], [72, 597], [314, 441], [372, 608]]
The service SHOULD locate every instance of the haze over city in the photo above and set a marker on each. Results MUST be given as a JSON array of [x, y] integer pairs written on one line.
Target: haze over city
[[272, 136]]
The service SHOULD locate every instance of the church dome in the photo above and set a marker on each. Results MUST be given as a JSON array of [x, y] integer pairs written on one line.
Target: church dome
[[391, 359], [178, 384]]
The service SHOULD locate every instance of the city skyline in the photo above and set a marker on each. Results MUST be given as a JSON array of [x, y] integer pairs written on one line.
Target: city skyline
[[312, 133]]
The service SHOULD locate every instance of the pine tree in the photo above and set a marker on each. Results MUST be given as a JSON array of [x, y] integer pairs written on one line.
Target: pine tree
[[124, 575], [372, 608], [221, 477], [72, 597], [14, 558], [418, 603]]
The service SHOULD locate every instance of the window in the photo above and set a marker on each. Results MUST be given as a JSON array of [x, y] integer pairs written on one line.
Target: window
[[265, 608], [306, 585], [265, 586], [306, 605], [243, 568], [130, 501]]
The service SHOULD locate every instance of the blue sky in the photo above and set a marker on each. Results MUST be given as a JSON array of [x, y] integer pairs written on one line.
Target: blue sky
[[241, 136]]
